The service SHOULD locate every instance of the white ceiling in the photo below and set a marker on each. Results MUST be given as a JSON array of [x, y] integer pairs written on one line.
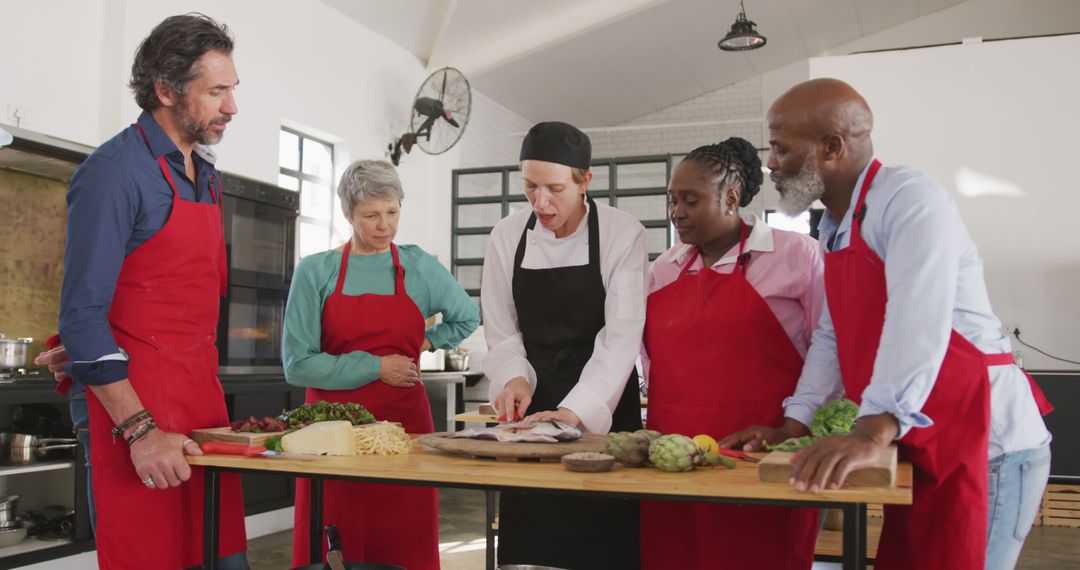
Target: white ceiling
[[603, 62]]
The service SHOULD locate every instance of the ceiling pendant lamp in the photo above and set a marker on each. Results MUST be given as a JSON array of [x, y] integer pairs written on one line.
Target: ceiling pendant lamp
[[742, 36]]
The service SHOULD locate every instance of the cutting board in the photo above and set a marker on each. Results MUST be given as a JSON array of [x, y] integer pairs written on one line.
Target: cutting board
[[227, 434], [776, 467], [509, 450]]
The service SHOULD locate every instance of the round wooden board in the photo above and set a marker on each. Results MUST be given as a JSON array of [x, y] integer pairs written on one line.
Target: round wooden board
[[508, 450]]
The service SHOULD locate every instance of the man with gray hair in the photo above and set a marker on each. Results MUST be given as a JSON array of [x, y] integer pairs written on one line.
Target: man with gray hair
[[144, 269]]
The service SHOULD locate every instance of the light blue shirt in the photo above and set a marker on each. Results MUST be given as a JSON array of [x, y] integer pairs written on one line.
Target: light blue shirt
[[934, 279]]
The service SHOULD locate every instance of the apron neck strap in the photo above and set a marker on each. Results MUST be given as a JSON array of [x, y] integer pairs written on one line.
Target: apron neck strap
[[594, 236], [399, 272], [860, 205], [215, 182], [741, 259], [161, 163]]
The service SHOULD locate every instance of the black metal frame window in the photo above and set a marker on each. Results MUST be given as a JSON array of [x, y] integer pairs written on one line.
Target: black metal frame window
[[306, 165], [483, 196]]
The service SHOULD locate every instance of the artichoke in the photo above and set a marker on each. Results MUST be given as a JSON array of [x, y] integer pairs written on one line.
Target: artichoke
[[674, 452], [649, 433], [630, 449]]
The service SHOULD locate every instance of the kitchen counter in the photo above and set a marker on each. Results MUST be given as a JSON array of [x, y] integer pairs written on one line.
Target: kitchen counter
[[426, 467]]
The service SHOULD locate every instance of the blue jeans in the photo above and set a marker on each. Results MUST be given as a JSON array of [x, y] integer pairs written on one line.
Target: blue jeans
[[80, 418], [1017, 482]]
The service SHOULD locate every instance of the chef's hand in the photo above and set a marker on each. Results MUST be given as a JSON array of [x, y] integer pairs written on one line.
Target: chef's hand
[[827, 463], [56, 359], [755, 438], [398, 371], [159, 458], [562, 414], [514, 399], [426, 345]]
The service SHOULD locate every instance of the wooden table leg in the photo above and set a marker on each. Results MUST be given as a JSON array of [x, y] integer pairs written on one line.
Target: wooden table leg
[[490, 553], [315, 521], [211, 509], [854, 536]]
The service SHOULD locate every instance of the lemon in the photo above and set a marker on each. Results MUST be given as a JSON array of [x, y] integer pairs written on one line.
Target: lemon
[[706, 443]]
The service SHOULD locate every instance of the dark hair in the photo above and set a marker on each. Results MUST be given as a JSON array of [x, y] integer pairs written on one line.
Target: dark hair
[[734, 161], [170, 52]]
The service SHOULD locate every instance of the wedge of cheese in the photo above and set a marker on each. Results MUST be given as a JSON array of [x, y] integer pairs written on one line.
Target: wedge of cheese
[[322, 438]]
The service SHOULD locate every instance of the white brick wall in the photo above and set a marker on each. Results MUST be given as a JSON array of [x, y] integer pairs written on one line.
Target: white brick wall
[[491, 137]]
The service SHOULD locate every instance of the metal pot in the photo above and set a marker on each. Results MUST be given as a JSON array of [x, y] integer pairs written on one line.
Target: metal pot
[[13, 351], [458, 360], [7, 511], [12, 536], [24, 449]]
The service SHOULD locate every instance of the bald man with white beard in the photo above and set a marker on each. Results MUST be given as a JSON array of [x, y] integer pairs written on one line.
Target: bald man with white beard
[[908, 333]]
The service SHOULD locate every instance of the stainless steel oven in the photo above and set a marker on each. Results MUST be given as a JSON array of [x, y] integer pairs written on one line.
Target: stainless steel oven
[[260, 238]]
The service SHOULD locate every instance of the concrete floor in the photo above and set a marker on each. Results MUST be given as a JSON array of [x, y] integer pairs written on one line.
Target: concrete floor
[[461, 538]]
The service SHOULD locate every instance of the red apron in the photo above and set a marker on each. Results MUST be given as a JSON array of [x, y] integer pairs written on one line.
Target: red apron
[[720, 361], [946, 526], [393, 524], [165, 314]]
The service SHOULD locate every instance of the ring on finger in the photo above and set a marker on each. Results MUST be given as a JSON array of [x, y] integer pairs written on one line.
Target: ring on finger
[[149, 482]]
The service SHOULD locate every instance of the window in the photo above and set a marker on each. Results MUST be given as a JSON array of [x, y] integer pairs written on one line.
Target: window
[[483, 196], [306, 165]]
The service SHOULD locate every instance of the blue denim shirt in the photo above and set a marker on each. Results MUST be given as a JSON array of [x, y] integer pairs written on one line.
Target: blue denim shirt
[[117, 200]]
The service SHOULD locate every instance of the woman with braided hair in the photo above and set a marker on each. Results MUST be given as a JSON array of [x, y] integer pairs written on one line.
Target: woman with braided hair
[[729, 317]]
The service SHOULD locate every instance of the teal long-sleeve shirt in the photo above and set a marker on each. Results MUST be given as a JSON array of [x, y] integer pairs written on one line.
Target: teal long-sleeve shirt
[[427, 283]]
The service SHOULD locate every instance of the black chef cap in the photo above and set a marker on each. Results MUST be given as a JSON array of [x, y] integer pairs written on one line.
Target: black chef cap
[[559, 143]]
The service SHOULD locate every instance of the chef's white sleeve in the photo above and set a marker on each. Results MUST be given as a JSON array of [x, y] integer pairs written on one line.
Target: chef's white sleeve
[[506, 357]]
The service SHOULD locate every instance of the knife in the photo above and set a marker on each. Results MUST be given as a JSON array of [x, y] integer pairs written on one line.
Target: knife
[[333, 548], [229, 448], [736, 454]]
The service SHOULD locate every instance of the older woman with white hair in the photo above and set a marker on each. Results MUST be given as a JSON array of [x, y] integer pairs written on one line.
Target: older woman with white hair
[[354, 329]]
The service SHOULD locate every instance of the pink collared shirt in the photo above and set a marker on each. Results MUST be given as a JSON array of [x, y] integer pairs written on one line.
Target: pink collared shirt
[[785, 268]]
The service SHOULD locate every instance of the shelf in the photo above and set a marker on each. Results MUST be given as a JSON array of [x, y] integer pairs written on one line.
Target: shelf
[[35, 468], [31, 544]]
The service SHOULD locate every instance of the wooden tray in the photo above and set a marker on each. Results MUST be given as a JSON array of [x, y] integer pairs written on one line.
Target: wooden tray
[[777, 468], [227, 434], [486, 448]]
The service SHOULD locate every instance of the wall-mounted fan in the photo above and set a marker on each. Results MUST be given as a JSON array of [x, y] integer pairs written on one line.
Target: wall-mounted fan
[[440, 112]]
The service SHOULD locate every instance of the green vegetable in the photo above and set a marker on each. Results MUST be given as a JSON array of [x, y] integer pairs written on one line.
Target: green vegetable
[[274, 443], [835, 418], [793, 444], [323, 411]]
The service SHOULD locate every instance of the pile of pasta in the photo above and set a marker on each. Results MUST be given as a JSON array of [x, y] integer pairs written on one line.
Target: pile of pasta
[[381, 438]]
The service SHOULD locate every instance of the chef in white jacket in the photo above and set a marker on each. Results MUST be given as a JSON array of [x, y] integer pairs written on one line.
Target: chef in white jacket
[[563, 301]]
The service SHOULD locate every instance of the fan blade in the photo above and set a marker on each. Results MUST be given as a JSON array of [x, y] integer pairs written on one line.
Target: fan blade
[[442, 93], [451, 120]]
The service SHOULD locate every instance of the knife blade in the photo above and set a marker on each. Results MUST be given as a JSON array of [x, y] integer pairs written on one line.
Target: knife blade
[[333, 548]]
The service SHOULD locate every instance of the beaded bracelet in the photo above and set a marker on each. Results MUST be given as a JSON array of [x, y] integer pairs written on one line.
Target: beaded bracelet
[[139, 416], [140, 431]]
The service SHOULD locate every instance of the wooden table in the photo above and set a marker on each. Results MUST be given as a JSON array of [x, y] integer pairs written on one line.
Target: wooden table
[[428, 468]]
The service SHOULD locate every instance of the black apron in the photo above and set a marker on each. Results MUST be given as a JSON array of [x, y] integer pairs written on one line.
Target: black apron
[[560, 311]]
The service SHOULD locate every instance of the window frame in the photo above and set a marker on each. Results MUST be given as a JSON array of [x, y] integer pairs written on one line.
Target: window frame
[[332, 221]]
